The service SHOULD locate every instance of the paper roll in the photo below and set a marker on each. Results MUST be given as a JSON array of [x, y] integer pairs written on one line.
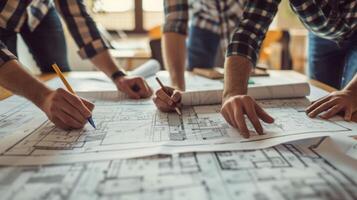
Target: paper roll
[[150, 68], [209, 97]]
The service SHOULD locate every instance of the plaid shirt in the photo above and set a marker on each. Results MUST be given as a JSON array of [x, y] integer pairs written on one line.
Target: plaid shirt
[[217, 16], [331, 19], [15, 13]]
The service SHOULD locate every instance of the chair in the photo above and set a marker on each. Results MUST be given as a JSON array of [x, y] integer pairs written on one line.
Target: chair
[[155, 45], [281, 37]]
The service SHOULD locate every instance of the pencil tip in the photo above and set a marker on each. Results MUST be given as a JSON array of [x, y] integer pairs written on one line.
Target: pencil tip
[[90, 120]]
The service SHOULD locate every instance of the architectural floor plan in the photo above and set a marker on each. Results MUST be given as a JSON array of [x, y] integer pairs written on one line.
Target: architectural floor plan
[[17, 114], [39, 161], [128, 128], [288, 171]]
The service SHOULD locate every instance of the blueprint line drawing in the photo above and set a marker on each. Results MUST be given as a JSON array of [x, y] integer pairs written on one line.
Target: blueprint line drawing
[[128, 128], [17, 116], [287, 171]]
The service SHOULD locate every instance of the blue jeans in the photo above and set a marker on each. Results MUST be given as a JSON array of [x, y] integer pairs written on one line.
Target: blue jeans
[[202, 47], [46, 43], [330, 63]]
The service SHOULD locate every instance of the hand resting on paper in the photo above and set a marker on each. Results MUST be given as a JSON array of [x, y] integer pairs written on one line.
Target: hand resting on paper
[[167, 103], [234, 109], [339, 102]]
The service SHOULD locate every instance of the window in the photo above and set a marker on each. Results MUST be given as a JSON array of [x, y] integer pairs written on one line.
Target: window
[[108, 6], [135, 16], [153, 13]]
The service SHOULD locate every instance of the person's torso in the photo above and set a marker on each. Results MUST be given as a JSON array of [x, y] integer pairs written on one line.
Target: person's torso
[[331, 19], [14, 13], [218, 16]]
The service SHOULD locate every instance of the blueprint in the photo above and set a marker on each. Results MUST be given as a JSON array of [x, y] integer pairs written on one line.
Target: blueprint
[[340, 151], [18, 116], [288, 171], [92, 164], [131, 128]]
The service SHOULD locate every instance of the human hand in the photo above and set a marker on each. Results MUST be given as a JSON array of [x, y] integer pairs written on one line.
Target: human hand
[[66, 110], [334, 103], [234, 109], [167, 103], [134, 87]]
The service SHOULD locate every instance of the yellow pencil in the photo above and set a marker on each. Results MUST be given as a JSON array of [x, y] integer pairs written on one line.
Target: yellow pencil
[[69, 88]]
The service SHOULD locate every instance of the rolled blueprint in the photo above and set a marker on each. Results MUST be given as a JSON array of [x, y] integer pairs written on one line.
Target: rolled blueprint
[[208, 97], [150, 68]]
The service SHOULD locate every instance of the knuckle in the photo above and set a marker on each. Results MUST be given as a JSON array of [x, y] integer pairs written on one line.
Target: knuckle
[[238, 103], [246, 98], [60, 90], [138, 79]]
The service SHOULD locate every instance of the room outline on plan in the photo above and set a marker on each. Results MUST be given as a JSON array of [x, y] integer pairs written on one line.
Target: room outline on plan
[[281, 172], [127, 127]]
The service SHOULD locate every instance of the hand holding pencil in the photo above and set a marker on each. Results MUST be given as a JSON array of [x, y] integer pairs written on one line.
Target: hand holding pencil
[[65, 109], [167, 99]]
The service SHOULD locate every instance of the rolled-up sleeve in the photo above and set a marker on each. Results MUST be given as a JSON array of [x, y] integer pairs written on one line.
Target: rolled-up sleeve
[[82, 27], [176, 16], [5, 54], [250, 32]]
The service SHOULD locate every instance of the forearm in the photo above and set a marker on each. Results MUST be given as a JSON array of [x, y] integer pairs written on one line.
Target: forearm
[[18, 81], [105, 62], [352, 86], [237, 70], [174, 56]]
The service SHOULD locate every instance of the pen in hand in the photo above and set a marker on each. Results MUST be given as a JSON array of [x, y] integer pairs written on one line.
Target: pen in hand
[[69, 88], [166, 92]]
